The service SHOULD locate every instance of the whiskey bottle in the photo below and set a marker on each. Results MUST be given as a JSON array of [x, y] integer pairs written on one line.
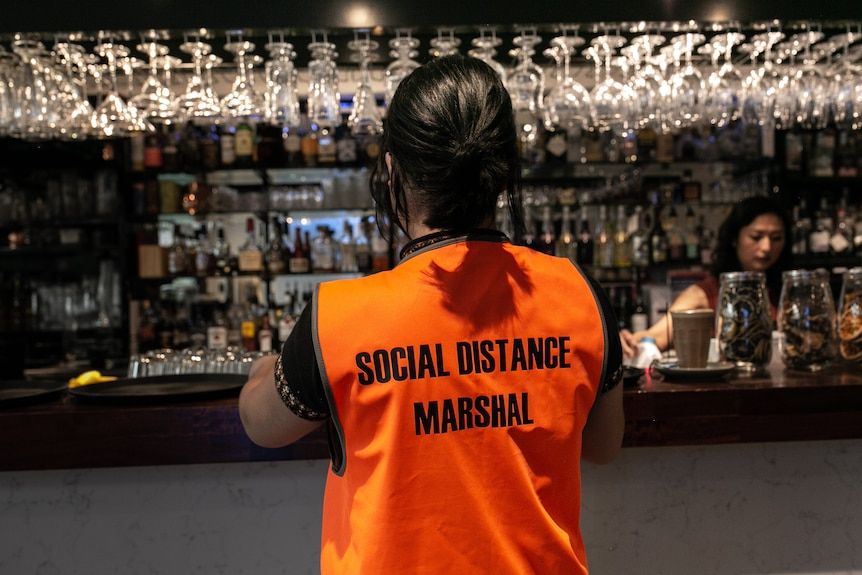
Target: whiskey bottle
[[585, 240], [250, 257], [275, 256], [300, 262], [244, 145], [567, 244]]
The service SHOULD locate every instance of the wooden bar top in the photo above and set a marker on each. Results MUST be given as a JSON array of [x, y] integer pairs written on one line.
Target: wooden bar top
[[779, 405]]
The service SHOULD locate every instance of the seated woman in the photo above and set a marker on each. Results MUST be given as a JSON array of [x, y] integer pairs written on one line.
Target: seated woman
[[752, 238]]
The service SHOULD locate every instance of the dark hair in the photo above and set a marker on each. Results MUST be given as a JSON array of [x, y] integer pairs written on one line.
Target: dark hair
[[451, 132], [724, 256]]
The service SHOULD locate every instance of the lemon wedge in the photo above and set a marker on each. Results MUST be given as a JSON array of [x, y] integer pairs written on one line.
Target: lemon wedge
[[89, 377]]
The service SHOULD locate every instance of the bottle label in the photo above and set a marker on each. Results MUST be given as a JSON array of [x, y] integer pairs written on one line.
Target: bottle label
[[217, 337], [299, 265], [250, 261], [244, 144], [228, 149]]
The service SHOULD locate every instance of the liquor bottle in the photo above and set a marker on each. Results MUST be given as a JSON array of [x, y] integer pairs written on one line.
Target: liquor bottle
[[363, 247], [285, 317], [347, 245], [841, 240], [692, 240], [235, 317], [639, 237], [604, 239], [227, 147], [818, 238], [249, 329], [204, 258], [691, 188], [326, 147], [153, 152], [244, 145], [225, 263], [622, 251], [567, 243], [178, 257], [546, 242], [292, 143], [801, 228], [210, 149], [136, 152], [646, 143], [664, 147], [170, 150], [575, 143], [379, 252], [274, 258], [639, 319], [706, 242], [309, 145], [268, 148], [300, 263], [346, 150], [264, 335], [324, 251], [658, 242], [190, 148], [250, 257], [675, 238], [217, 331], [585, 240], [556, 145]]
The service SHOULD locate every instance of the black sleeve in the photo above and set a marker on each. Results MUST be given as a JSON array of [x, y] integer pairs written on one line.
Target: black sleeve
[[613, 373], [300, 367]]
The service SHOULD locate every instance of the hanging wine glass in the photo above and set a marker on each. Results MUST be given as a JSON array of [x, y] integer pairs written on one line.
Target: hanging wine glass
[[112, 116], [242, 101], [324, 98], [76, 109], [724, 83], [645, 79], [445, 44], [154, 100], [8, 96], [281, 99], [404, 51], [35, 90], [567, 103], [611, 101], [485, 48], [198, 99], [760, 86], [847, 86], [526, 87], [686, 83], [365, 119], [799, 101]]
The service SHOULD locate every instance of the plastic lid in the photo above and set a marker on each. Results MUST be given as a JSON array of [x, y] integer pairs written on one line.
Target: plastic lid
[[648, 339]]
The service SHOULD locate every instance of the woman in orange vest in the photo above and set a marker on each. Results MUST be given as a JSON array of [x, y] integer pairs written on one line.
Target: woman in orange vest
[[461, 389]]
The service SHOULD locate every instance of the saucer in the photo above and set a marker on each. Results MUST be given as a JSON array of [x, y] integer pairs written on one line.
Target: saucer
[[711, 371]]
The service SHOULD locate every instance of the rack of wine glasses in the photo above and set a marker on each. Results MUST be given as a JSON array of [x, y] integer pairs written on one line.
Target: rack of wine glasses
[[609, 77]]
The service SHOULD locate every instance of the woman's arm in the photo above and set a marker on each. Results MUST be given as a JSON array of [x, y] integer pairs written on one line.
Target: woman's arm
[[692, 297], [267, 420]]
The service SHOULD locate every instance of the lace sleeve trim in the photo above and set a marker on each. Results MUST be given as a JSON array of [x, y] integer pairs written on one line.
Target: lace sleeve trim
[[290, 399]]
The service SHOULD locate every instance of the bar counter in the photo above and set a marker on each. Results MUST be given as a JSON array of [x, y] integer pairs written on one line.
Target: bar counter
[[780, 405]]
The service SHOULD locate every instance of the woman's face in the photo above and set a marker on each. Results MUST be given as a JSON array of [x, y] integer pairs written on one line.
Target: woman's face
[[760, 243]]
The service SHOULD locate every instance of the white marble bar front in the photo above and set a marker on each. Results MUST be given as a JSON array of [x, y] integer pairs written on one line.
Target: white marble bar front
[[735, 509]]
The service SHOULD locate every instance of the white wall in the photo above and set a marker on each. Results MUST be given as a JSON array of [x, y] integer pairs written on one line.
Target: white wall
[[778, 509]]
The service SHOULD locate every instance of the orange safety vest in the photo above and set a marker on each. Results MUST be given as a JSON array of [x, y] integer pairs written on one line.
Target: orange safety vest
[[459, 385]]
